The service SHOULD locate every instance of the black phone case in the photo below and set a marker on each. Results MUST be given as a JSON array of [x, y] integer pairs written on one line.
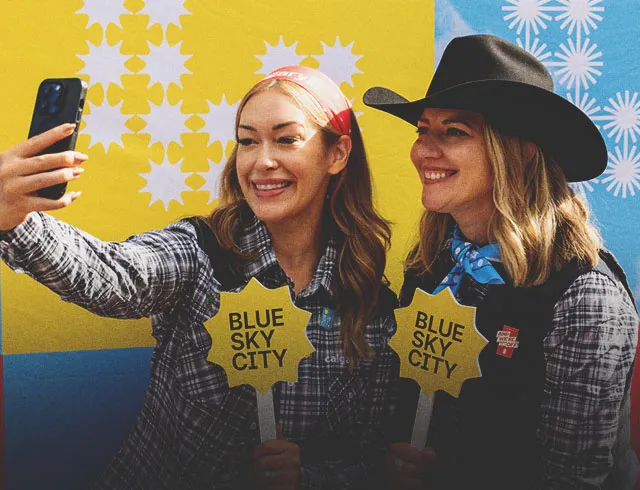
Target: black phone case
[[52, 109]]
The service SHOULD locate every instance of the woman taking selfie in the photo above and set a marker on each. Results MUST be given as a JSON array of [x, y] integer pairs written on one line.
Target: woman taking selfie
[[296, 210], [503, 229]]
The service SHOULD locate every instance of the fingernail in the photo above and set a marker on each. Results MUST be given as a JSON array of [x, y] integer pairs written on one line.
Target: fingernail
[[68, 128], [79, 157], [75, 195], [77, 171]]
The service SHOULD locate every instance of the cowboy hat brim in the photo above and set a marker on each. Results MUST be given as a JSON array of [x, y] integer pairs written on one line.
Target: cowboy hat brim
[[538, 115]]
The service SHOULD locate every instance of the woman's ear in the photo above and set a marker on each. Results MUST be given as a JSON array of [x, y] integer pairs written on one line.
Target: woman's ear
[[340, 152], [530, 149]]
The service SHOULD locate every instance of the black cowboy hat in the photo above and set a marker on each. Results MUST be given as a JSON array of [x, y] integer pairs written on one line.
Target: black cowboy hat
[[514, 93]]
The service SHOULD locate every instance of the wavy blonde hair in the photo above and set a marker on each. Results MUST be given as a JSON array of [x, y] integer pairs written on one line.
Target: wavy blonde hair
[[362, 235], [539, 222]]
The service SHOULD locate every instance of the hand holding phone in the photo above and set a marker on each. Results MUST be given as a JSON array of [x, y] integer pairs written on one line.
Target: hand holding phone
[[58, 101]]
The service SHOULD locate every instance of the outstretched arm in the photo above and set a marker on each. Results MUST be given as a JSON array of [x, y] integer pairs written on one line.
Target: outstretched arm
[[142, 275]]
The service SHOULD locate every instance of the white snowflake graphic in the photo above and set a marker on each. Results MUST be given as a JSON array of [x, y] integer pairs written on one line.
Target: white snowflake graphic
[[105, 124], [537, 49], [165, 123], [212, 178], [623, 116], [527, 14], [338, 62], [581, 14], [219, 122], [165, 182], [103, 13], [165, 64], [623, 172], [586, 104], [582, 187], [164, 12], [104, 64], [278, 56], [579, 63]]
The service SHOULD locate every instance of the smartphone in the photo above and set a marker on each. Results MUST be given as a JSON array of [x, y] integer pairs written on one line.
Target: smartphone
[[58, 101]]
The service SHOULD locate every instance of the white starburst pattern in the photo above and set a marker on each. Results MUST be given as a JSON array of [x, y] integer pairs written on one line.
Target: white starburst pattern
[[165, 64], [581, 14], [530, 15], [165, 182], [527, 14], [582, 187], [104, 64], [586, 104], [537, 49], [165, 123], [103, 13], [623, 172], [579, 63], [278, 56], [338, 62], [212, 178], [219, 122], [105, 124], [623, 116], [164, 12]]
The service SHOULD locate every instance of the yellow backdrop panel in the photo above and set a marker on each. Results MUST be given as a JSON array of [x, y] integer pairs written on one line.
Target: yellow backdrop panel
[[163, 81]]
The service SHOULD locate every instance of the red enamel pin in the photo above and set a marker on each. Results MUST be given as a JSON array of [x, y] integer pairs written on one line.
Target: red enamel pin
[[507, 341]]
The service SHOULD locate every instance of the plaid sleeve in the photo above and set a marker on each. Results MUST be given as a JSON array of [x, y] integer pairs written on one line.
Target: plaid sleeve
[[589, 354], [367, 438], [129, 279]]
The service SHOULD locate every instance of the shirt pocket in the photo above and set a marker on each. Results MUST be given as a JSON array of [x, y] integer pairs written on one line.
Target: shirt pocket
[[344, 400], [198, 379]]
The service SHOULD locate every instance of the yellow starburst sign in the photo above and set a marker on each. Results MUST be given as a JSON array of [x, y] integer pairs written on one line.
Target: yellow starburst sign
[[259, 336], [438, 342]]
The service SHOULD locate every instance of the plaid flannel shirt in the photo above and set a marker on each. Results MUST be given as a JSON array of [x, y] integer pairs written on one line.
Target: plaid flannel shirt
[[194, 432], [584, 427]]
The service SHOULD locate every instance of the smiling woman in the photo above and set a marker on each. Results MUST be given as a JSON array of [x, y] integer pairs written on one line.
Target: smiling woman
[[296, 210], [505, 232]]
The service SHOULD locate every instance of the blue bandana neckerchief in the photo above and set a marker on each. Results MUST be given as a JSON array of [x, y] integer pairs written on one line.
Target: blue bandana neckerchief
[[469, 259]]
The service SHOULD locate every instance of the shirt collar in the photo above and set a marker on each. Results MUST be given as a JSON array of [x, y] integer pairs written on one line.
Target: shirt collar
[[264, 266]]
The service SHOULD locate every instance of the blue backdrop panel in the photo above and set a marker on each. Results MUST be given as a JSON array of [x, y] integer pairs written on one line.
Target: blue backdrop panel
[[66, 414]]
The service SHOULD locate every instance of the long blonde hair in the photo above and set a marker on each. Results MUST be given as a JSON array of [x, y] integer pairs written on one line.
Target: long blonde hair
[[539, 222], [362, 235]]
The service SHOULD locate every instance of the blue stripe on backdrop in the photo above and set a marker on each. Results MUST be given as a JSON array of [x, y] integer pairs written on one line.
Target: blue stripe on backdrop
[[66, 414]]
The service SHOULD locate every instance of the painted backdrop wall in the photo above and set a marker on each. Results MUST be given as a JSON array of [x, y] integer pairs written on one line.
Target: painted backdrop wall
[[165, 77]]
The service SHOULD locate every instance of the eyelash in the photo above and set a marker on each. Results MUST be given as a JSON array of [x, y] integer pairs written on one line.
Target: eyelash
[[283, 140], [455, 132], [287, 140]]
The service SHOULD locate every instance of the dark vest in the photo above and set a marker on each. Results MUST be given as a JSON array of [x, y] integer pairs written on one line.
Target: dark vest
[[486, 437], [323, 448]]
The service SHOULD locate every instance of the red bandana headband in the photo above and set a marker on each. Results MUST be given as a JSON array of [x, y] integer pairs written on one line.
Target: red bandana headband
[[322, 89]]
